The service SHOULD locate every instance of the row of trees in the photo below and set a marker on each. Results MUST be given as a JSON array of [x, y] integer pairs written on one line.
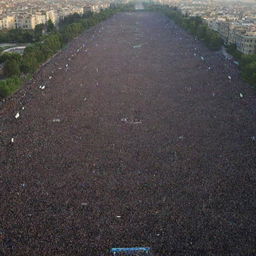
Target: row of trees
[[247, 64], [194, 25], [17, 66]]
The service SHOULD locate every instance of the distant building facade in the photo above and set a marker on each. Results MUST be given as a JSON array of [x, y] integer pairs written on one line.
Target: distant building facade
[[7, 22], [246, 43]]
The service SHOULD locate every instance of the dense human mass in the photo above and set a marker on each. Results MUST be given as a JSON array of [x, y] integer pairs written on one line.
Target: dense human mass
[[134, 135]]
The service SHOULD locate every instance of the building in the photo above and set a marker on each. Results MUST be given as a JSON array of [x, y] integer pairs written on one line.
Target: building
[[95, 8], [51, 15], [7, 22], [87, 8], [246, 43], [234, 30], [212, 24], [32, 13], [223, 29], [40, 18], [29, 21], [25, 21]]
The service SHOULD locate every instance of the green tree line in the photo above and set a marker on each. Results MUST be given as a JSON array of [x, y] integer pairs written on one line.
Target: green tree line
[[247, 64]]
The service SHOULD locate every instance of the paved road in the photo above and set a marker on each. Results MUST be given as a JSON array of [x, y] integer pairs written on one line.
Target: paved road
[[132, 136]]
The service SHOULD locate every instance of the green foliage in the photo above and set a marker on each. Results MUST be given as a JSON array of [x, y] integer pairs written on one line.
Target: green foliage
[[12, 68], [29, 64], [17, 36], [50, 26], [71, 31], [38, 31], [9, 56], [249, 72], [231, 49], [38, 53], [247, 59], [202, 31], [213, 40], [9, 86], [247, 64], [53, 42]]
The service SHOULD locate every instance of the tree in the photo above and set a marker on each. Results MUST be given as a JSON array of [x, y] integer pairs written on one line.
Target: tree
[[3, 36], [11, 68], [72, 31], [213, 40], [50, 26], [87, 14], [232, 49], [249, 72], [20, 36], [201, 31], [53, 42], [29, 64], [38, 31], [27, 36], [9, 86], [247, 59], [8, 56]]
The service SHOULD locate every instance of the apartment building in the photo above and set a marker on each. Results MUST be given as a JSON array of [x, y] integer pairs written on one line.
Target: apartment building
[[7, 22], [25, 21], [234, 30], [29, 21], [246, 43], [95, 8], [87, 8], [31, 14], [212, 23], [62, 13], [40, 18], [79, 10], [51, 15], [223, 29]]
